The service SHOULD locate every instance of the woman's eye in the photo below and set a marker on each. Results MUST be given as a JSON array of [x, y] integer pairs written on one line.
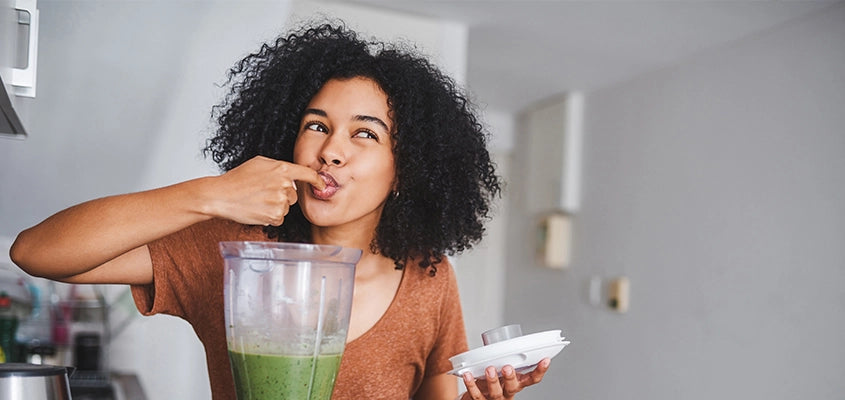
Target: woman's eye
[[315, 127], [366, 134]]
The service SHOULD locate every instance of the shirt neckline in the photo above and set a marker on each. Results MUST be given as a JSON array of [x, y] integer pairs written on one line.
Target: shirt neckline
[[389, 310]]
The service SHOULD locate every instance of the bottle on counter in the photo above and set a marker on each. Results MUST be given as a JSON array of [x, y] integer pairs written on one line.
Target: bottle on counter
[[8, 329]]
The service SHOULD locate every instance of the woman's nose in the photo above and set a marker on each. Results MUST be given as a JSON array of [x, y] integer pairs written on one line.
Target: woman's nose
[[335, 161], [333, 151]]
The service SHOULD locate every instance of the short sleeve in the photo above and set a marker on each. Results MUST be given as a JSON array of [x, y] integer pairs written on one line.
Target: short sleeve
[[187, 266]]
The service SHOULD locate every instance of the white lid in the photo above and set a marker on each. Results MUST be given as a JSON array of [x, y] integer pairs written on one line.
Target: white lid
[[522, 353]]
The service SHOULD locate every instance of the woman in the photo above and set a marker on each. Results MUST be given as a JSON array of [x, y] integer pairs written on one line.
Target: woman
[[324, 138]]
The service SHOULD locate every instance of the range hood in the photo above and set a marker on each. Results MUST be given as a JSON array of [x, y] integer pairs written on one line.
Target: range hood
[[10, 124], [18, 61]]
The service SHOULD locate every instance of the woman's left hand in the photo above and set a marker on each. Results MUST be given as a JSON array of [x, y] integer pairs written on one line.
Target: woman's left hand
[[492, 387]]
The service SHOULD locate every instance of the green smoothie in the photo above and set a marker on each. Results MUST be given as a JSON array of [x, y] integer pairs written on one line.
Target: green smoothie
[[263, 376]]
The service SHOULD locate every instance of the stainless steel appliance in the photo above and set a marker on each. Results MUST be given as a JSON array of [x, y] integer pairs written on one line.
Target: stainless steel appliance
[[34, 382]]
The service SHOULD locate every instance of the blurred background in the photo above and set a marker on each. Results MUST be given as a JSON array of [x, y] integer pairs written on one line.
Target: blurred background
[[674, 202]]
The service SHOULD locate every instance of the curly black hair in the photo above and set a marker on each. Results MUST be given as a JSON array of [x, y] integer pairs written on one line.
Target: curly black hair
[[446, 180]]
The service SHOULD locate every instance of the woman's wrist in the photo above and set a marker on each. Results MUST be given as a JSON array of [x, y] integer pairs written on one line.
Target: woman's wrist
[[200, 198]]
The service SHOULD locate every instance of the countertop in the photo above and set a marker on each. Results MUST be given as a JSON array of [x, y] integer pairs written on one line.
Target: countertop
[[129, 387]]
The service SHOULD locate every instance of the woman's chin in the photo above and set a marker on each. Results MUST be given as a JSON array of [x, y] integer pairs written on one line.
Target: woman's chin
[[319, 213]]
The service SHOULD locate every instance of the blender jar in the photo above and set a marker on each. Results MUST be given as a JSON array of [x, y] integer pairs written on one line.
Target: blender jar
[[287, 308]]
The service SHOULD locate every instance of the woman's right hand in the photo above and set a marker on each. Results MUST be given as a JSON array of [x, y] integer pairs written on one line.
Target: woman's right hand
[[259, 191]]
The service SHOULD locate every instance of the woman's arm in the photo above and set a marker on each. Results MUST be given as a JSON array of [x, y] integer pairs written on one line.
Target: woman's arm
[[82, 237], [104, 240]]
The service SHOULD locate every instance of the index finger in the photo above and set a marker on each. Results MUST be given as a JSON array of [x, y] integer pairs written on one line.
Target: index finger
[[307, 175]]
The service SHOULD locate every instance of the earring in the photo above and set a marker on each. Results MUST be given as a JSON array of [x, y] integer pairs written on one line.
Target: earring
[[394, 194]]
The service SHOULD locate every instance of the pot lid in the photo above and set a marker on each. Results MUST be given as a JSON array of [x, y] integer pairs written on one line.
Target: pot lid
[[25, 370]]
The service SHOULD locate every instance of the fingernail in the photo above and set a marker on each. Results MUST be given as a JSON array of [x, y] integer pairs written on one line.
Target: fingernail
[[467, 377], [491, 372], [507, 370]]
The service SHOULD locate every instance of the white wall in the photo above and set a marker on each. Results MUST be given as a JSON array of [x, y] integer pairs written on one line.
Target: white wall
[[716, 186], [125, 91]]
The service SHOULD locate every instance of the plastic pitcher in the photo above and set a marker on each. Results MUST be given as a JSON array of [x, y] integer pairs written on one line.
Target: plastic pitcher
[[287, 309]]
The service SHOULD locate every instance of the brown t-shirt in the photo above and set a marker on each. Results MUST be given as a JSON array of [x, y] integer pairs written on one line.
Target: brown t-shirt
[[420, 330]]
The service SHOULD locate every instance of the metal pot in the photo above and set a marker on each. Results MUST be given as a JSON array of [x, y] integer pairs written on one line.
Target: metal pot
[[20, 381]]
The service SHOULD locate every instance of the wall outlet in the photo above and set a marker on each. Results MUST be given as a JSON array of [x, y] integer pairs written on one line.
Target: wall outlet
[[555, 240]]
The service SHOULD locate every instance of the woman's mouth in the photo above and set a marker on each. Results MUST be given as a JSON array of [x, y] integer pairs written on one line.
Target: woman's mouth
[[331, 187]]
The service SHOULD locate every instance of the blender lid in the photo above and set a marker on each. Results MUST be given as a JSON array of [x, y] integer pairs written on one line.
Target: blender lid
[[522, 353]]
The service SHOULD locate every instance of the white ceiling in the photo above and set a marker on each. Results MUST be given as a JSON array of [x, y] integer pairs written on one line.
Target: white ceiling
[[523, 51]]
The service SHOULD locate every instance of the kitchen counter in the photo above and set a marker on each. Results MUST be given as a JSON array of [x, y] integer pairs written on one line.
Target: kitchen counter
[[118, 386], [129, 387]]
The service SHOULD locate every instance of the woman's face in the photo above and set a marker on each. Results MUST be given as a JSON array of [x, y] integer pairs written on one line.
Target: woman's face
[[345, 135]]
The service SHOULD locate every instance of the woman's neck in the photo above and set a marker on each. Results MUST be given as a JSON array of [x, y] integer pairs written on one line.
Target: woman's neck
[[371, 264], [343, 236]]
